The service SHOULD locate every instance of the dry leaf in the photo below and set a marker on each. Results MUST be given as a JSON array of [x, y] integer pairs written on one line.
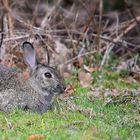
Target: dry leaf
[[66, 75], [70, 90], [128, 80], [115, 91], [62, 53], [36, 137], [85, 79], [79, 62], [7, 60], [25, 75]]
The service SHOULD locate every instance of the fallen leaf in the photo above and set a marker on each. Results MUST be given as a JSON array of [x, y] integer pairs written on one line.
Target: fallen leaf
[[128, 80], [66, 75], [61, 55], [70, 90], [25, 75], [36, 137], [115, 90], [85, 79], [79, 62], [7, 60]]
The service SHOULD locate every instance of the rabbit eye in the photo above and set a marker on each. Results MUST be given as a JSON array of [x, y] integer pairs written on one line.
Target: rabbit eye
[[47, 75]]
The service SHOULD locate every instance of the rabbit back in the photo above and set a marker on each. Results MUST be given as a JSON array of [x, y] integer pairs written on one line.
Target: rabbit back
[[8, 78], [16, 93]]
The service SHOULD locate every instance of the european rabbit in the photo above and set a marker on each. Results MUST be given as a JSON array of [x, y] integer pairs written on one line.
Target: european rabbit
[[37, 92]]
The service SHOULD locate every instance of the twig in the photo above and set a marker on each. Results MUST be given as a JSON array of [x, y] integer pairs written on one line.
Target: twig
[[48, 56], [111, 45], [2, 35], [133, 15], [84, 54], [88, 111]]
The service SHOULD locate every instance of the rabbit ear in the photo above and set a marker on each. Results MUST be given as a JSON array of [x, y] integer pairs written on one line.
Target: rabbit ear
[[29, 54]]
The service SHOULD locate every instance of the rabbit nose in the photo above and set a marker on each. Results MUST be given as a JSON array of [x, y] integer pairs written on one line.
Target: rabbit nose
[[60, 88], [64, 88]]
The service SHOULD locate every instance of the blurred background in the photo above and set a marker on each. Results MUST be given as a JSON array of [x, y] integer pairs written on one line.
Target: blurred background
[[82, 34], [95, 44]]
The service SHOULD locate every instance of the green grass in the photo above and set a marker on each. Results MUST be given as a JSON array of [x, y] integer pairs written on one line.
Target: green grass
[[113, 121], [112, 80], [116, 122]]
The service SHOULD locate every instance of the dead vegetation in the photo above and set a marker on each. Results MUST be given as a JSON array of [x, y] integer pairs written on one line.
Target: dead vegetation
[[73, 32]]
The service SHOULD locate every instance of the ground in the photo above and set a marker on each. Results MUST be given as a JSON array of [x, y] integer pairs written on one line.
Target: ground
[[81, 115]]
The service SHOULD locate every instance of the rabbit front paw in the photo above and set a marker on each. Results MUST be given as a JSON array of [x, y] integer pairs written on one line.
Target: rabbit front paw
[[44, 107]]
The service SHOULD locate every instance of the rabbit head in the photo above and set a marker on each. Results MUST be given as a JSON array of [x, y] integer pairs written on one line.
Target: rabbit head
[[43, 78]]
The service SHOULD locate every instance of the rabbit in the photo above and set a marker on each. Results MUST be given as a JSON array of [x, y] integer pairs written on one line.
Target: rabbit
[[36, 93]]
